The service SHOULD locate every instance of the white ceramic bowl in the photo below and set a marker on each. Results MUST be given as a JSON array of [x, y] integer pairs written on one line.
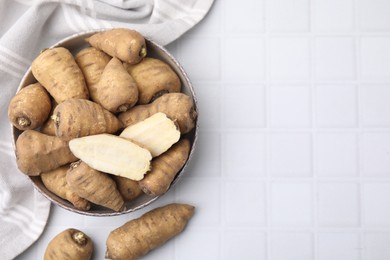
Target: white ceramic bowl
[[75, 43]]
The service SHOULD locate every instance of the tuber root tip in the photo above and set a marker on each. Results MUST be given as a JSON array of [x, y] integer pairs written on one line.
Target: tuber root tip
[[23, 122], [143, 52], [80, 238]]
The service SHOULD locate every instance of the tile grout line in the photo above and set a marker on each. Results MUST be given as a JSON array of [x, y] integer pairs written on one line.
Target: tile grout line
[[222, 135], [360, 130], [313, 104], [267, 89]]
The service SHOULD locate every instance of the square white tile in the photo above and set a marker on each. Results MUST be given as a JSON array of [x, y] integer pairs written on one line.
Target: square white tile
[[376, 209], [237, 66], [335, 58], [291, 204], [289, 106], [206, 241], [374, 154], [376, 246], [339, 246], [330, 19], [374, 105], [246, 207], [336, 154], [375, 57], [254, 11], [247, 162], [336, 106], [244, 244], [338, 204], [291, 246], [374, 15], [290, 154], [288, 16], [238, 106], [289, 58], [205, 51]]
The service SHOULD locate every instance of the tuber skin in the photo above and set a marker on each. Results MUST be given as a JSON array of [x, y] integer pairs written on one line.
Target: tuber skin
[[129, 189], [57, 71], [37, 153], [92, 63], [116, 90], [94, 186], [178, 107], [70, 244], [49, 127], [154, 78], [125, 44], [55, 181], [80, 117], [164, 169], [139, 236], [30, 107]]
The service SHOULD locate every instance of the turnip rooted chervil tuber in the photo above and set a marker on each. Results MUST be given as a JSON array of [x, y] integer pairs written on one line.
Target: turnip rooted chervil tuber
[[139, 236]]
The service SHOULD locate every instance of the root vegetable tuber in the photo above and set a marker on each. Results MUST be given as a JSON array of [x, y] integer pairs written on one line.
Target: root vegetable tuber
[[68, 245], [129, 189], [137, 237], [125, 44], [156, 133], [116, 90], [55, 181], [37, 153], [177, 106], [154, 78], [57, 71], [95, 186], [92, 63], [79, 117], [112, 154], [30, 107], [164, 169]]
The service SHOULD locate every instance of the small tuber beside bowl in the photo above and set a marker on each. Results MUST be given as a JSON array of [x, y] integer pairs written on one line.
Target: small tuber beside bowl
[[75, 43]]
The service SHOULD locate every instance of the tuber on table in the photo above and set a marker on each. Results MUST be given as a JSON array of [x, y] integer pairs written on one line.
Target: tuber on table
[[125, 44], [55, 181], [57, 71], [30, 107], [154, 78], [164, 169], [112, 154], [139, 236], [95, 186], [80, 117], [37, 153], [70, 244], [156, 133], [178, 107]]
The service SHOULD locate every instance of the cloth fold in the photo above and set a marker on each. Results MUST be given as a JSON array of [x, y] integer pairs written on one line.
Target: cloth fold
[[26, 27]]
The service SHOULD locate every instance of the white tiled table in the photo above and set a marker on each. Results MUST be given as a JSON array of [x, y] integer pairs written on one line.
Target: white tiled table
[[293, 159]]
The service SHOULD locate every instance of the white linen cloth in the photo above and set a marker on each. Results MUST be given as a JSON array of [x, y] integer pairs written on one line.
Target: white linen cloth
[[26, 27]]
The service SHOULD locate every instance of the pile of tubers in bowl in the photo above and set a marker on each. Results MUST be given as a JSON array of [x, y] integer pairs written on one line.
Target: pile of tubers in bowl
[[105, 125]]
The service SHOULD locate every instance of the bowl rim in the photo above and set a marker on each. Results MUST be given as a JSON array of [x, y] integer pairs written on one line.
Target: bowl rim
[[189, 87]]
